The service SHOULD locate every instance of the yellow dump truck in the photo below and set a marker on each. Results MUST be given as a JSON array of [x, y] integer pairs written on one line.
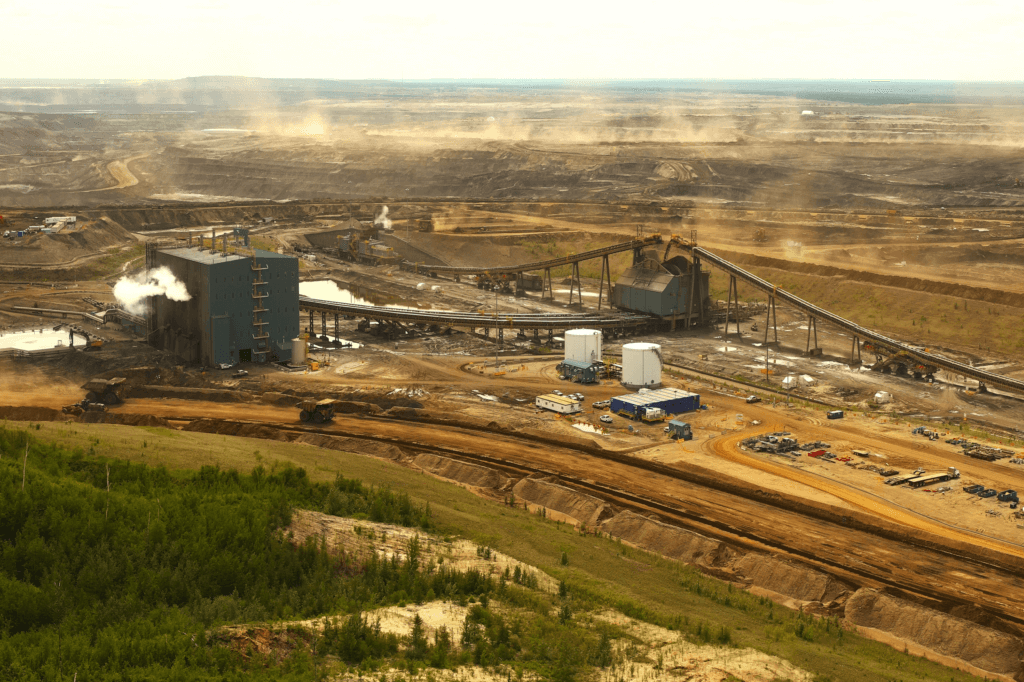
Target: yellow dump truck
[[318, 412], [106, 391]]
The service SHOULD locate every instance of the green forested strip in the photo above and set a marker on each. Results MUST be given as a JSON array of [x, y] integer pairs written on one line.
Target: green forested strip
[[99, 581]]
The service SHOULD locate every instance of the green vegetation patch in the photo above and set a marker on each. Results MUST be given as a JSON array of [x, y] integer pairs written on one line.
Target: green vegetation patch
[[111, 568]]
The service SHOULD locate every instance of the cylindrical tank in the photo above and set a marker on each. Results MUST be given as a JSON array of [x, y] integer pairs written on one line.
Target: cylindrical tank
[[641, 365], [298, 351], [583, 345]]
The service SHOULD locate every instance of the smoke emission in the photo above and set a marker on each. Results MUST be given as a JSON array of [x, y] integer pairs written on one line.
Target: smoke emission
[[383, 219], [131, 292]]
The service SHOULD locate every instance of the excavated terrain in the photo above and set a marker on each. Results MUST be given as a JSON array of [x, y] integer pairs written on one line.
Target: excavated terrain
[[906, 217]]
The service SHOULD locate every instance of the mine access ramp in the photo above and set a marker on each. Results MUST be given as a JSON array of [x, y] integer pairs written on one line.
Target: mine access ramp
[[891, 347]]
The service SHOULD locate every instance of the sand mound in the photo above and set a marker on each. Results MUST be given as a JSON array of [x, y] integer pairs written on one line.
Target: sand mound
[[791, 580], [279, 399], [654, 536], [406, 413], [218, 395], [31, 414], [981, 647], [576, 506], [125, 419], [469, 474], [248, 430], [353, 407]]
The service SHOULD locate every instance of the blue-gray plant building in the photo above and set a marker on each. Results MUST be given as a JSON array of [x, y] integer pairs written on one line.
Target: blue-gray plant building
[[243, 308]]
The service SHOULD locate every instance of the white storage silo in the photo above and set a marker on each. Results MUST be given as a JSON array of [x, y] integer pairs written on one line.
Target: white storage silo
[[298, 351], [583, 345], [641, 365]]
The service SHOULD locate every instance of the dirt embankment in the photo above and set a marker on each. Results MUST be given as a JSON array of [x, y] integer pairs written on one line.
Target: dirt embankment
[[938, 635], [63, 248], [561, 502], [462, 472], [47, 414], [216, 395], [783, 581], [249, 430], [670, 541]]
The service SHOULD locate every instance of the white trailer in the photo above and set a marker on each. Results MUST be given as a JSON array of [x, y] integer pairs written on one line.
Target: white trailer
[[559, 403]]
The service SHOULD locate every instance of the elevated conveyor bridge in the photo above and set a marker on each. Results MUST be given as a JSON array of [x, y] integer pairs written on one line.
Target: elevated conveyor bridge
[[501, 278], [396, 319], [890, 352]]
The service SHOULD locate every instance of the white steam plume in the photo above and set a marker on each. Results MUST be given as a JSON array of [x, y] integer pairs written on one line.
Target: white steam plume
[[131, 292], [383, 219]]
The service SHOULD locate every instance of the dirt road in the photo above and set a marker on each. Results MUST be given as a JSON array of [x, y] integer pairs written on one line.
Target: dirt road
[[855, 554], [727, 447], [120, 171]]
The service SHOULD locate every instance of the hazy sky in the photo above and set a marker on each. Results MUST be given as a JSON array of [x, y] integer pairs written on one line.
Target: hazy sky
[[897, 39]]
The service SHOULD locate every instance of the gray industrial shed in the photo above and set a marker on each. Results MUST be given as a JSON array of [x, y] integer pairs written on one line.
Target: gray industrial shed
[[660, 289], [243, 308]]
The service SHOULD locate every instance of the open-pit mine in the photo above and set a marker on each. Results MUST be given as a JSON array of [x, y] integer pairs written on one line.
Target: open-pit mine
[[775, 338]]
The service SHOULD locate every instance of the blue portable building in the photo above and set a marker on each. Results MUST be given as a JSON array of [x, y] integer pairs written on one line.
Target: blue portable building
[[671, 400], [580, 372], [679, 429]]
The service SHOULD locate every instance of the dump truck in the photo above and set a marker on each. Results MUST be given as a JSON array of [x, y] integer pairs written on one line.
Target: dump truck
[[106, 391], [317, 412]]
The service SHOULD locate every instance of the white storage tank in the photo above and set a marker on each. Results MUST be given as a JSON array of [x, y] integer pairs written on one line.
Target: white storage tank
[[641, 365], [298, 351], [583, 345]]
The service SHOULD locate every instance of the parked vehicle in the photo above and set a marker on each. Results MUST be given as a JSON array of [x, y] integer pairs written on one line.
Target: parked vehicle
[[606, 418], [557, 392], [601, 404], [753, 399]]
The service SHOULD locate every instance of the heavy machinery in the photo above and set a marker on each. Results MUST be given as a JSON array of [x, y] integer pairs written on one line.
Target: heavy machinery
[[760, 236], [106, 391], [317, 412], [84, 405]]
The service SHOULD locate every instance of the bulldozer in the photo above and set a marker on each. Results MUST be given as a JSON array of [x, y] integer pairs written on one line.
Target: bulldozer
[[106, 391], [318, 412], [760, 237], [85, 405]]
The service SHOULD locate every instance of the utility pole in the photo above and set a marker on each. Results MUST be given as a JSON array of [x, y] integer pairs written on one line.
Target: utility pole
[[495, 331]]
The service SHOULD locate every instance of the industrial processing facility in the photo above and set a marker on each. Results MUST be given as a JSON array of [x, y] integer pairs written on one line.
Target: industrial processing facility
[[663, 289], [242, 308]]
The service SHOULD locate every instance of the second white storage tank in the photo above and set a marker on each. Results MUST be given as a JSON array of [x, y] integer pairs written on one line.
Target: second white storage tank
[[583, 345], [641, 365], [298, 351]]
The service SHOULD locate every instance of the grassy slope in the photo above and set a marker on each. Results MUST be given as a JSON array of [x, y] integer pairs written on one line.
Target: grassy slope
[[663, 590], [920, 317]]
